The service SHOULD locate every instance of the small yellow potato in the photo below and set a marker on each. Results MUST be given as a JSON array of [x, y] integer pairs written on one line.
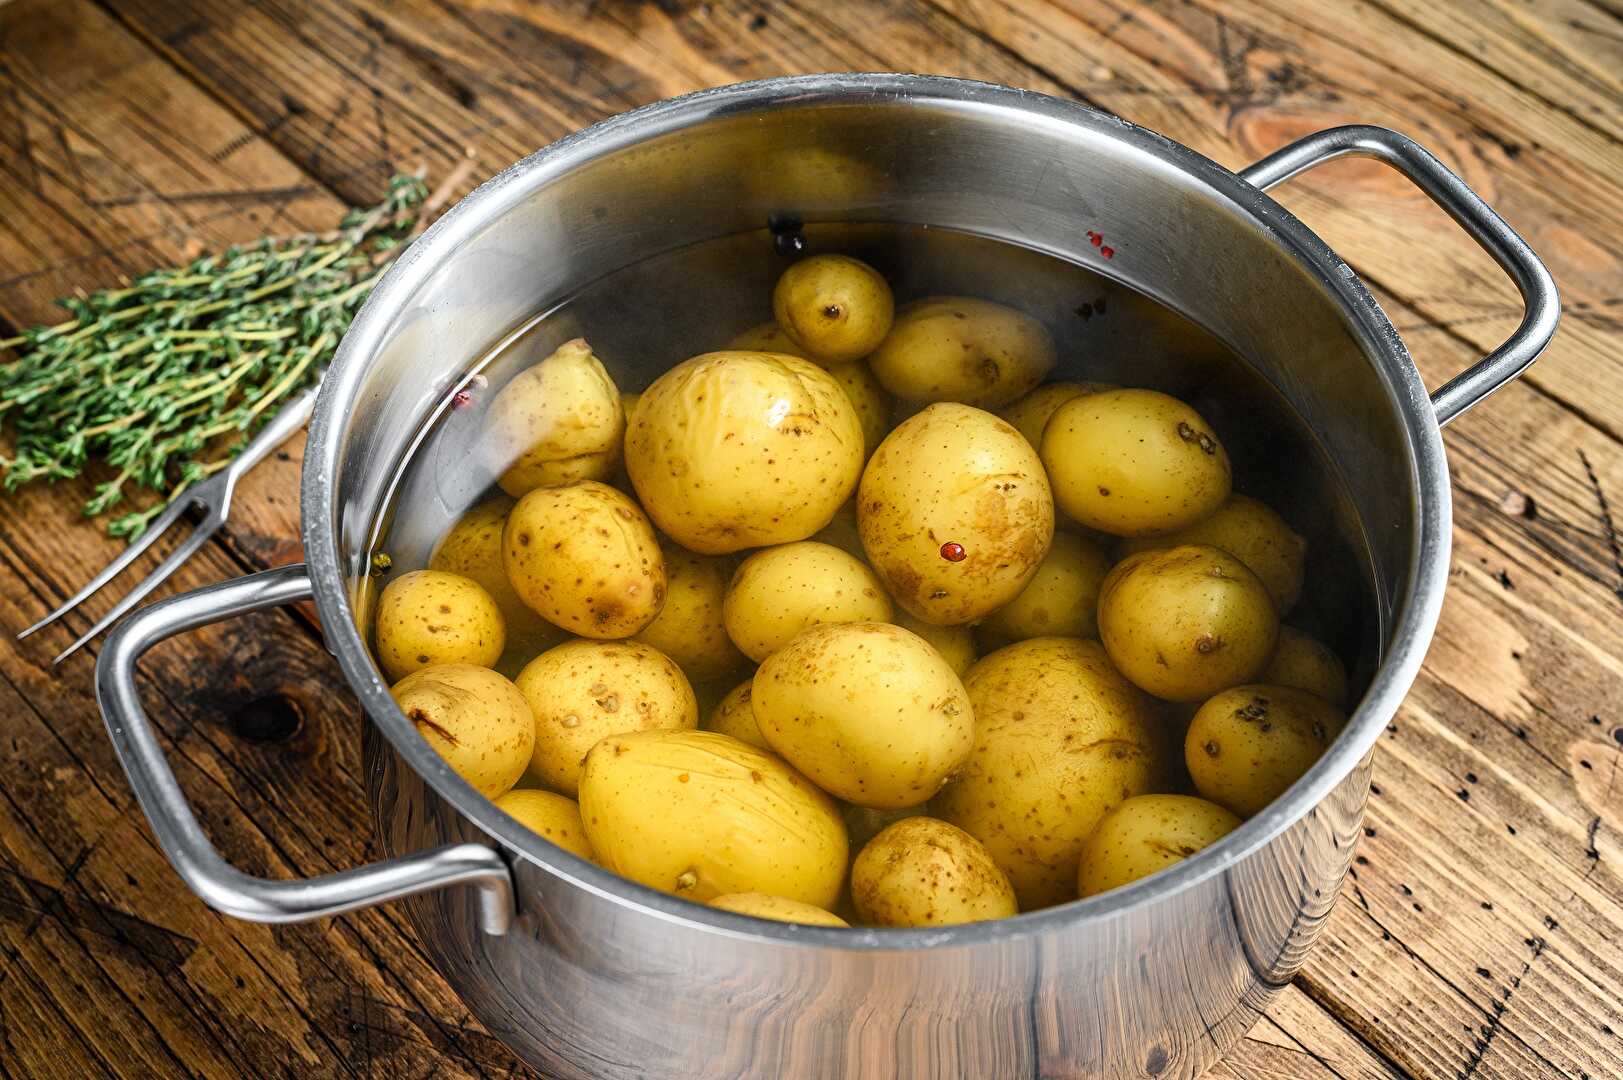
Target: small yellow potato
[[873, 405], [842, 532], [701, 816], [1250, 531], [780, 591], [557, 422], [1134, 462], [766, 337], [584, 557], [735, 450], [871, 713], [956, 644], [548, 814], [838, 309], [474, 719], [957, 348], [1186, 622], [1306, 663], [1061, 599], [1145, 834], [473, 548], [433, 617], [1247, 745], [955, 514], [863, 823], [777, 908], [1031, 413], [735, 717], [1060, 739], [583, 691], [925, 872], [688, 628]]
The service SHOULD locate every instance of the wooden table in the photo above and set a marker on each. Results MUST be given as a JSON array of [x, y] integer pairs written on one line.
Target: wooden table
[[1481, 934]]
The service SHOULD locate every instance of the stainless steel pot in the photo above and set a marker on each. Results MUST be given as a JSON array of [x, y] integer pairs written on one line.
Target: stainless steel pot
[[587, 975]]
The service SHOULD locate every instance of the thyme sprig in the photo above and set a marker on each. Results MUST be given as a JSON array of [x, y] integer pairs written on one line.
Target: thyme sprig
[[165, 379]]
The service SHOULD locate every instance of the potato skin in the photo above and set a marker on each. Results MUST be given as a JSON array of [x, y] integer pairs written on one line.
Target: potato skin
[[1134, 462], [869, 712], [780, 591], [1186, 622], [1252, 532], [735, 450], [688, 628], [925, 872], [557, 422], [474, 719], [700, 815], [1060, 739], [1302, 661], [1247, 745], [835, 307], [958, 348], [956, 644], [548, 814], [584, 557], [433, 617], [1062, 598], [1031, 413], [1145, 834], [473, 548], [869, 399], [734, 717], [863, 823], [765, 337], [777, 908], [583, 691], [959, 475]]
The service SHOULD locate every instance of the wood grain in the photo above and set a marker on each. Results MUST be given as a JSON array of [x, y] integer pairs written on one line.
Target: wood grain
[[1480, 936]]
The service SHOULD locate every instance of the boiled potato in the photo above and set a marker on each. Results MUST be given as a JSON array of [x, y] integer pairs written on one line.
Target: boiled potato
[[808, 176], [842, 532], [735, 717], [688, 628], [1251, 532], [863, 823], [1060, 739], [701, 816], [473, 548], [925, 872], [1061, 599], [957, 348], [734, 450], [433, 617], [766, 337], [1302, 661], [956, 644], [1186, 622], [584, 691], [835, 307], [873, 405], [554, 816], [1145, 834], [557, 422], [871, 713], [955, 514], [781, 591], [1134, 462], [1030, 414], [767, 906], [474, 719], [583, 556], [1248, 744]]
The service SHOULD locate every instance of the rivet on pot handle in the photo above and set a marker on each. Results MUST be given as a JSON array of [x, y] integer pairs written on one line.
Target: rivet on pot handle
[[1476, 217], [221, 885]]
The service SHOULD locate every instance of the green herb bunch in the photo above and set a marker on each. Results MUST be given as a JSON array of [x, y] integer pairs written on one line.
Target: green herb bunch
[[166, 379]]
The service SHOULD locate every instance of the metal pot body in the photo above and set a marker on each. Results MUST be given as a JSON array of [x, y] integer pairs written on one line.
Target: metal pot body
[[587, 975]]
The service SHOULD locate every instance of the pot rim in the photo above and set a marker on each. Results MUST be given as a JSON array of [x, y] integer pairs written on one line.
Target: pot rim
[[1415, 612]]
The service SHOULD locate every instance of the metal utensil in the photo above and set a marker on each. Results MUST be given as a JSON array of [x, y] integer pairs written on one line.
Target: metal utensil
[[211, 496]]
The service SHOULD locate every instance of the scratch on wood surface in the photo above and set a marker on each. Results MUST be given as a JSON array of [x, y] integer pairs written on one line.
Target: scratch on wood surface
[[1490, 1031], [1608, 526]]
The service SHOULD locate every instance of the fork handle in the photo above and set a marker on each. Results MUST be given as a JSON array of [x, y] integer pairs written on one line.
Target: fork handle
[[292, 416]]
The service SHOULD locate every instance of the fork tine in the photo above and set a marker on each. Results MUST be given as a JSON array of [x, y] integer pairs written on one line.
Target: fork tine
[[205, 529], [111, 570]]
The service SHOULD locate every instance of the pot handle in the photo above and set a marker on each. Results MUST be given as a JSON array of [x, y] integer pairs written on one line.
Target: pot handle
[[1488, 229], [221, 885]]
